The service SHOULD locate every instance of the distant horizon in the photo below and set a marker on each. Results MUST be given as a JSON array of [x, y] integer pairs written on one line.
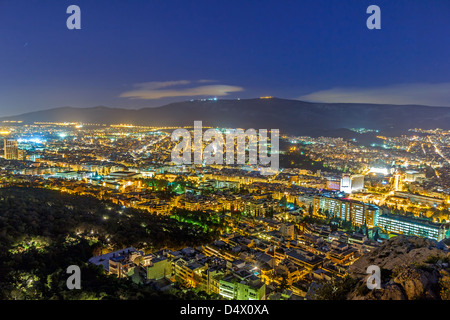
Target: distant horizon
[[210, 99]]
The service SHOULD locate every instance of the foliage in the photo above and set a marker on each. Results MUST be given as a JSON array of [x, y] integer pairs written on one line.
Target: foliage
[[43, 231], [336, 289]]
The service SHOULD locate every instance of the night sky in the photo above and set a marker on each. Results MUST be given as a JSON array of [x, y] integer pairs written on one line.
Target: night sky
[[135, 54]]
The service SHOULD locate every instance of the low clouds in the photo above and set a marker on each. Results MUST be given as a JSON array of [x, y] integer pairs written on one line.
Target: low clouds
[[437, 94], [180, 88]]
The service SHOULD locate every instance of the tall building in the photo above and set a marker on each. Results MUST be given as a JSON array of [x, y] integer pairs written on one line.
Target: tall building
[[363, 213], [287, 230], [352, 183], [332, 207], [22, 155], [411, 176], [397, 182], [11, 149], [358, 213], [413, 226]]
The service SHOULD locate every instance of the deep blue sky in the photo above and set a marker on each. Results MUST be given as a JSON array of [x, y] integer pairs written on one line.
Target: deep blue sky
[[314, 50]]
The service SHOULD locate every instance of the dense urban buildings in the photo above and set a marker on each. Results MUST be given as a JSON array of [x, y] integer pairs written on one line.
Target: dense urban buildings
[[277, 235]]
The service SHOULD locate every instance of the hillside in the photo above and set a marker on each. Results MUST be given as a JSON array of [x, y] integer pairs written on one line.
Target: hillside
[[43, 231], [290, 116], [411, 268]]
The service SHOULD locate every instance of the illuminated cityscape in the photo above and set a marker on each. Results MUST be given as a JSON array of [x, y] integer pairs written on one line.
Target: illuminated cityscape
[[277, 234], [213, 157]]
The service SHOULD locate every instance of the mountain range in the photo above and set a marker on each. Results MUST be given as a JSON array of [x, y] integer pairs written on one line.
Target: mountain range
[[290, 116]]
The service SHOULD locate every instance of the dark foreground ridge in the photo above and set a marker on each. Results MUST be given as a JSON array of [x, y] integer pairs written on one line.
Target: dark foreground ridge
[[411, 269]]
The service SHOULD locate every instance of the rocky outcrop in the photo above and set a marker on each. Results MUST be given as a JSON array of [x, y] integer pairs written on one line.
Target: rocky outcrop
[[411, 268]]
